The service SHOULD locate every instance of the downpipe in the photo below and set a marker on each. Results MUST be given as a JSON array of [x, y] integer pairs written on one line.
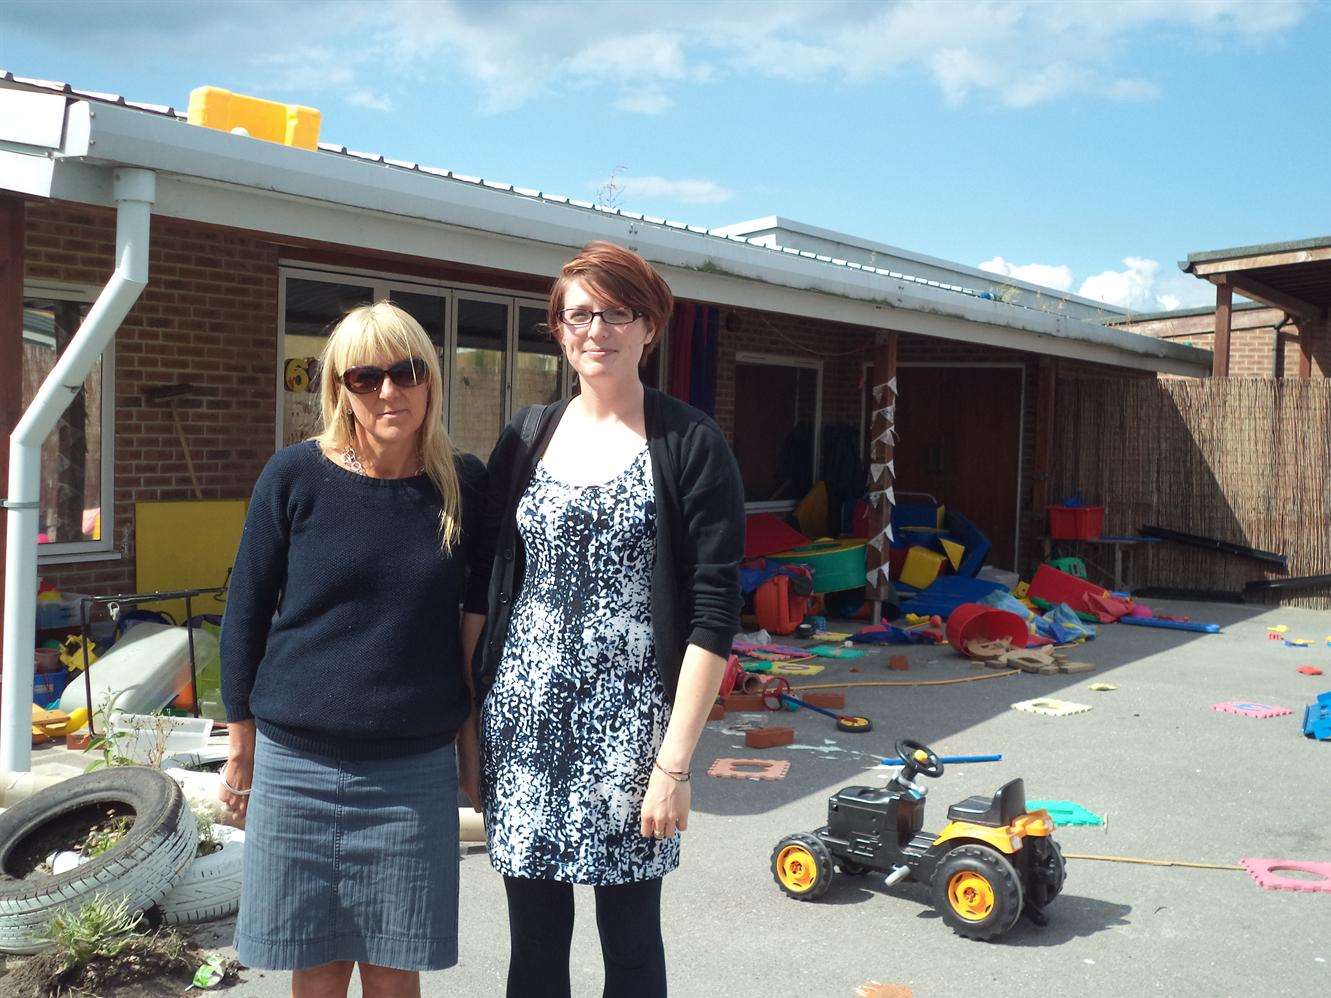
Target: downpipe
[[135, 192]]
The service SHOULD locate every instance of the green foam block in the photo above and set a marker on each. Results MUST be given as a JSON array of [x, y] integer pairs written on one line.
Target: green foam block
[[1065, 812]]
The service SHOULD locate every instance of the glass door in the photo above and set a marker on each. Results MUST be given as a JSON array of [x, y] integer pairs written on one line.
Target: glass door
[[310, 311], [430, 309], [478, 400], [538, 378]]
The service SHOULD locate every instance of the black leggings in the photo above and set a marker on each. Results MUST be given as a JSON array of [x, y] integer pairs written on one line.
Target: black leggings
[[540, 927]]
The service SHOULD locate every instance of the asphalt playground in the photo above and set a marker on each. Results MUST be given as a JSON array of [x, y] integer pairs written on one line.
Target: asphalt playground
[[1174, 779]]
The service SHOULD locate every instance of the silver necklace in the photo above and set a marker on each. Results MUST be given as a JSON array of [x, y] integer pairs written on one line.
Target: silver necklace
[[352, 461]]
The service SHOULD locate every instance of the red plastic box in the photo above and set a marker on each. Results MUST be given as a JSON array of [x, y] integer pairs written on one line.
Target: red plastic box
[[1076, 523]]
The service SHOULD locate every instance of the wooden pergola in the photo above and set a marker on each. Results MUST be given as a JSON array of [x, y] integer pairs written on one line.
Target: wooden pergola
[[1294, 277]]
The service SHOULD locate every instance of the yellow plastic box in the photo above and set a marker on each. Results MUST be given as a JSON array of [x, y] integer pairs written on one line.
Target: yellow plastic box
[[286, 124], [922, 567]]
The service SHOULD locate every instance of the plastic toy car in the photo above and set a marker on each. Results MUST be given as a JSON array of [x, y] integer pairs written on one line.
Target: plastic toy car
[[992, 862]]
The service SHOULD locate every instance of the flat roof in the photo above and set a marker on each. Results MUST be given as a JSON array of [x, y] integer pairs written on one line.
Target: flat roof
[[1260, 249]]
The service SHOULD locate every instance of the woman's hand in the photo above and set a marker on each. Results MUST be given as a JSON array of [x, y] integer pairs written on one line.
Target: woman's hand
[[469, 763], [665, 808], [239, 770]]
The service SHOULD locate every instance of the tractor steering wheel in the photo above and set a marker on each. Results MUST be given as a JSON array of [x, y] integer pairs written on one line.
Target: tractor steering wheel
[[910, 751]]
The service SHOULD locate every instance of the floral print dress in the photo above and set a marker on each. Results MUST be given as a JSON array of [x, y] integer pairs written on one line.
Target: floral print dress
[[571, 727]]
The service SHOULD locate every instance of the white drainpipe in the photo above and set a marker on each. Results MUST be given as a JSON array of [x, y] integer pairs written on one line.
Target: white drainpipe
[[135, 192]]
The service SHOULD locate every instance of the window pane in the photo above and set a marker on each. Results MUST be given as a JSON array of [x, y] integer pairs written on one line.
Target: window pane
[[71, 482], [477, 395], [539, 359], [431, 311], [312, 309], [775, 409]]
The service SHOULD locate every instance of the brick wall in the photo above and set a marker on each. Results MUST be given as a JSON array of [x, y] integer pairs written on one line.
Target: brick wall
[[1253, 348], [207, 317]]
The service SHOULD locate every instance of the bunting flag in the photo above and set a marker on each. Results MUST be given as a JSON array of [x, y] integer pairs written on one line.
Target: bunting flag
[[878, 393], [892, 468], [877, 469], [876, 542], [888, 412], [892, 385], [891, 496], [888, 435]]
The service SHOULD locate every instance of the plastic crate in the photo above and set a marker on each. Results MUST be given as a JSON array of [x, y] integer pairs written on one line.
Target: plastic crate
[[62, 612], [1076, 523]]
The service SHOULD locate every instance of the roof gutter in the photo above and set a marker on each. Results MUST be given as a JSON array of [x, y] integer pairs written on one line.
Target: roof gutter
[[133, 191], [211, 176]]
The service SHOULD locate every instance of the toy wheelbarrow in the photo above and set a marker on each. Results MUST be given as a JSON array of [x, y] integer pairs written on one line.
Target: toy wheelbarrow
[[777, 696]]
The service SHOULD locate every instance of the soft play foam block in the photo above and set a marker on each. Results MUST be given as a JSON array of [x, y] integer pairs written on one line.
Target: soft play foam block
[[1066, 812], [1267, 874], [1247, 708], [750, 769], [1050, 707], [835, 651], [1317, 718]]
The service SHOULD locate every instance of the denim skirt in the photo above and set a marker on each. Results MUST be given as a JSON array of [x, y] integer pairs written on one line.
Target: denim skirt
[[350, 860]]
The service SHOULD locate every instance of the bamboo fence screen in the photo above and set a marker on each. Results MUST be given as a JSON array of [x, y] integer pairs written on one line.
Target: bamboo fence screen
[[1239, 459]]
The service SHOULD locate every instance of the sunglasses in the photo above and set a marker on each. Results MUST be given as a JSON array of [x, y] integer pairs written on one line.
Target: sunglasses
[[368, 378]]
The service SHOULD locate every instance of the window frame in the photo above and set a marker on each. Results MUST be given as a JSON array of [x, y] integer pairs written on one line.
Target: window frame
[[382, 284], [66, 552], [788, 360]]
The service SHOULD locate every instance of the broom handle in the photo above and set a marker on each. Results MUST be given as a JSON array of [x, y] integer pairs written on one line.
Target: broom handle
[[189, 461]]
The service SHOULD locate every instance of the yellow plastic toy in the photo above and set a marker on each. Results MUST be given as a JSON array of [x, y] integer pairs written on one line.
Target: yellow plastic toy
[[285, 124], [72, 656]]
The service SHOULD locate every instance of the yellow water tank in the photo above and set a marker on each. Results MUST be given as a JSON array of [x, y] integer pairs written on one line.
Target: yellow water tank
[[287, 124]]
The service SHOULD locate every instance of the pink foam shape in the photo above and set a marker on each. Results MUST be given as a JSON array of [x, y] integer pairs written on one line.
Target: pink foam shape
[[1267, 874], [1249, 708]]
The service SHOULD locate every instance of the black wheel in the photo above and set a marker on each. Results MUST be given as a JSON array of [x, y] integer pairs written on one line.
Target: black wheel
[[1048, 871], [802, 866], [851, 869], [977, 891]]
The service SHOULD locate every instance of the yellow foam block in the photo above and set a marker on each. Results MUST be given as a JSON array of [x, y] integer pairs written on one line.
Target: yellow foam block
[[955, 552], [285, 124], [922, 567]]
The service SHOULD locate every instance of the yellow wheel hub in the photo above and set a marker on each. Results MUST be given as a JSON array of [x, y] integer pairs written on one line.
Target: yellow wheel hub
[[797, 868], [971, 895]]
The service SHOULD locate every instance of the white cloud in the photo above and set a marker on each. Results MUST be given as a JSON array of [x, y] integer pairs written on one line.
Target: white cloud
[[1046, 275], [1139, 286], [369, 99], [649, 189], [647, 102]]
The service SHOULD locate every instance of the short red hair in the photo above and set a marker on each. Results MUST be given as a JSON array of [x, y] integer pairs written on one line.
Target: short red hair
[[616, 276]]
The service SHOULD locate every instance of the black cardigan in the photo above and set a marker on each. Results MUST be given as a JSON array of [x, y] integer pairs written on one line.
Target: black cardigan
[[699, 534]]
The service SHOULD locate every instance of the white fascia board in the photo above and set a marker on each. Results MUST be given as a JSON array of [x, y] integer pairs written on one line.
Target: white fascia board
[[31, 119], [230, 180], [24, 173]]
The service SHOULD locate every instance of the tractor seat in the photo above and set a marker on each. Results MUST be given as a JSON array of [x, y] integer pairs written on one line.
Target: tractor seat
[[1008, 804]]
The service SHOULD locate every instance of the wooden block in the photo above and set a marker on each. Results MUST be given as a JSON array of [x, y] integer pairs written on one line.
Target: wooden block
[[769, 737], [830, 701], [899, 663], [1074, 667], [744, 702], [717, 712], [78, 741]]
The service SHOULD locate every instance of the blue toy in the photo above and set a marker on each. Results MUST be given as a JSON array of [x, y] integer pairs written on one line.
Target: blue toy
[[1317, 718], [1171, 625]]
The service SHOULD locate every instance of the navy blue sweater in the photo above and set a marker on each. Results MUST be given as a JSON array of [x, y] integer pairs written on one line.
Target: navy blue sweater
[[363, 659]]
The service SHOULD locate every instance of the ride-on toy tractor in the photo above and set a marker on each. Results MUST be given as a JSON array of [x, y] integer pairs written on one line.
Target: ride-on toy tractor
[[993, 860]]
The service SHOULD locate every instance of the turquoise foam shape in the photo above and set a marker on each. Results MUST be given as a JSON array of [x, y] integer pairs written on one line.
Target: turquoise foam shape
[[1065, 812], [835, 651]]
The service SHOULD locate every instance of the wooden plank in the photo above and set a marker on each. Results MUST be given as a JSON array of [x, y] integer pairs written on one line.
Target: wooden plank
[[1224, 306], [11, 341], [880, 452], [1267, 295], [1213, 267]]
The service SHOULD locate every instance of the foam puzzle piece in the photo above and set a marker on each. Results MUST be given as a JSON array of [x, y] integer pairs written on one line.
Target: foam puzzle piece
[[835, 651], [750, 769], [1317, 718], [796, 668], [1309, 670], [832, 636], [1267, 874], [1066, 812], [1298, 643], [1050, 707], [1247, 708]]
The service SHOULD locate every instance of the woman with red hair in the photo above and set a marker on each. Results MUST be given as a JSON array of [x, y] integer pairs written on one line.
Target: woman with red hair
[[617, 519]]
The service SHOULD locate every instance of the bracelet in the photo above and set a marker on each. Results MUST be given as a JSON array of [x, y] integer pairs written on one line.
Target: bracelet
[[679, 776], [238, 793]]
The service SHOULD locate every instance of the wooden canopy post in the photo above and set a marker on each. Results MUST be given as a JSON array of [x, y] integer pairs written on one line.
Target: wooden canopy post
[[882, 470], [11, 344], [1224, 306]]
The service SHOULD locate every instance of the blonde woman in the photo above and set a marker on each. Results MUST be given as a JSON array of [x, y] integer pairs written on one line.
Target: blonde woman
[[343, 678]]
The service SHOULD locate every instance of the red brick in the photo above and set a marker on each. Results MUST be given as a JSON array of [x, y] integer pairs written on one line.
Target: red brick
[[769, 737]]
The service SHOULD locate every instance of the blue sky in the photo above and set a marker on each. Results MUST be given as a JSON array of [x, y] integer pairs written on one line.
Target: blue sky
[[1089, 146]]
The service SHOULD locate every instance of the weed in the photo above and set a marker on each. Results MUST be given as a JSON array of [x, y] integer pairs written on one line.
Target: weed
[[100, 928]]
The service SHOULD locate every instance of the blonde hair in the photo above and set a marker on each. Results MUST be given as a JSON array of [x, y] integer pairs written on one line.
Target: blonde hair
[[383, 334]]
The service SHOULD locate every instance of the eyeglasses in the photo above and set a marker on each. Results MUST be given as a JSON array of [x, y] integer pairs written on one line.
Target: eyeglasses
[[368, 378], [610, 316]]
